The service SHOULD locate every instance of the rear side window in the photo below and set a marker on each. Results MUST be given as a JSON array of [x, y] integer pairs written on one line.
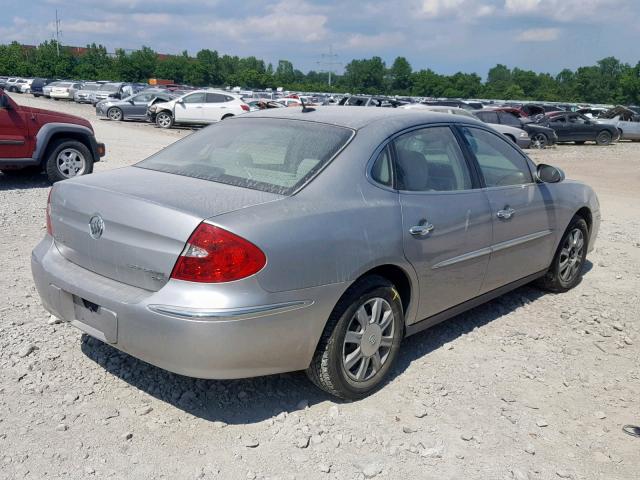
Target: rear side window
[[215, 98], [501, 164], [430, 159], [509, 119], [381, 171], [268, 154]]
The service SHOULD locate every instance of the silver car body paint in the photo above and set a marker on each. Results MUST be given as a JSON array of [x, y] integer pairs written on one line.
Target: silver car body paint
[[317, 241]]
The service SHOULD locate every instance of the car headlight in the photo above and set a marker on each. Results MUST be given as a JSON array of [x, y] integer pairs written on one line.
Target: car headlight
[[152, 109], [524, 135]]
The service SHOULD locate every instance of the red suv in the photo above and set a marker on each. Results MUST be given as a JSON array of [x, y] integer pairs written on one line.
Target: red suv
[[33, 139]]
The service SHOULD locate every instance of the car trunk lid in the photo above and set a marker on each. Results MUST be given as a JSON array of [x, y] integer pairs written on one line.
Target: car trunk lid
[[131, 224]]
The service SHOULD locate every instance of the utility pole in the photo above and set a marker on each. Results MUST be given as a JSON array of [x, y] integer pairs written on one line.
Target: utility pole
[[57, 34], [328, 60]]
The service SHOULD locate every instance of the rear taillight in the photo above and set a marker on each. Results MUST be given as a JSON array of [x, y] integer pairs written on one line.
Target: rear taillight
[[49, 226], [214, 255], [245, 107]]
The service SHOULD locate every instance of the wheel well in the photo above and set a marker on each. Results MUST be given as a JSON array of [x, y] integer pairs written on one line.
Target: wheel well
[[510, 137], [585, 213], [398, 277], [227, 116], [65, 136]]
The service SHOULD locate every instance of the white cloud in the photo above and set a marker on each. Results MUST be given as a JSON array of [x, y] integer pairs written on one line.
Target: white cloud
[[379, 41], [465, 9], [538, 35], [565, 10]]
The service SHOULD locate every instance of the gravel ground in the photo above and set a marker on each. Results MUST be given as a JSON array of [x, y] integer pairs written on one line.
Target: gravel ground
[[529, 386]]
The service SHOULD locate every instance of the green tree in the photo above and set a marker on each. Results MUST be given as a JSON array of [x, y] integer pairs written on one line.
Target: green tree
[[400, 75]]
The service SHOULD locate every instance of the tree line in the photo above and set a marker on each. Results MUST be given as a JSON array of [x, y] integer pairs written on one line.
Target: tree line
[[608, 81]]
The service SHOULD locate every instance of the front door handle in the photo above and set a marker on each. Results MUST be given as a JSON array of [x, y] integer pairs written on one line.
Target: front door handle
[[421, 230], [506, 213]]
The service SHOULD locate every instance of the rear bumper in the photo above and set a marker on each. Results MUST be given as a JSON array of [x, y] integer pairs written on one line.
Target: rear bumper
[[241, 331]]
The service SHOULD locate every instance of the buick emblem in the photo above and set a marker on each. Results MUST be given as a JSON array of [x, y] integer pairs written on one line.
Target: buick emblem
[[96, 227]]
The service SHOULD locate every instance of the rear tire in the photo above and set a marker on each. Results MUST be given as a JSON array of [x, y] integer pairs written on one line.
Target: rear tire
[[68, 159], [164, 120], [565, 271], [604, 138], [360, 341]]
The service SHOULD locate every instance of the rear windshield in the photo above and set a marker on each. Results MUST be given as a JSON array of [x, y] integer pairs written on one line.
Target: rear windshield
[[110, 87], [268, 154]]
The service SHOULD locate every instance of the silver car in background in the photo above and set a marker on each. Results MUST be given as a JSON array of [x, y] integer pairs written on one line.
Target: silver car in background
[[64, 90], [307, 240], [86, 93]]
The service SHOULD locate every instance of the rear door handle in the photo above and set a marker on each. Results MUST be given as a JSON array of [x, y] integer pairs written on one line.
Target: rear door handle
[[506, 213], [421, 230]]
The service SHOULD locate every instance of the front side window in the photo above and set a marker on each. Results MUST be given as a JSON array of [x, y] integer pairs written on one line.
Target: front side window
[[272, 155], [509, 119], [194, 98], [430, 160], [501, 164]]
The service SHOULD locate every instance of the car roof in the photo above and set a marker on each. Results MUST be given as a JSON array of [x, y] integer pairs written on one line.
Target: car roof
[[360, 117]]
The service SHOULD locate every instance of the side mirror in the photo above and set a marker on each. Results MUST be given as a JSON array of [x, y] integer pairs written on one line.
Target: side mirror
[[549, 174], [131, 101]]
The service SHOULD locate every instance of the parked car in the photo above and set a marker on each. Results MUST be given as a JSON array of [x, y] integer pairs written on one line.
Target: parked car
[[64, 90], [262, 104], [38, 84], [106, 90], [627, 122], [26, 87], [86, 93], [449, 103], [197, 107], [9, 83], [17, 86], [516, 135], [187, 260], [33, 139], [574, 127], [540, 135], [46, 90], [133, 107]]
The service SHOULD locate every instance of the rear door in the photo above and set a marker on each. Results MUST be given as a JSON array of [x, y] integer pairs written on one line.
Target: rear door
[[521, 210], [190, 109], [215, 107], [446, 219], [15, 141]]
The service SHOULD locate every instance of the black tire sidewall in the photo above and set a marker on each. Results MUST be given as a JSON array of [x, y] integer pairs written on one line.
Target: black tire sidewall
[[601, 134], [52, 168], [352, 389]]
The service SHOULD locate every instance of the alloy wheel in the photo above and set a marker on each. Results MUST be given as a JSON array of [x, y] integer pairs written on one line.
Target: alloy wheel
[[70, 163], [539, 140], [164, 120], [115, 114], [368, 340], [571, 255]]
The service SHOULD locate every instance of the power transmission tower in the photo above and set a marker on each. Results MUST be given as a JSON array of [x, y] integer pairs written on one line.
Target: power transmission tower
[[328, 60], [58, 32]]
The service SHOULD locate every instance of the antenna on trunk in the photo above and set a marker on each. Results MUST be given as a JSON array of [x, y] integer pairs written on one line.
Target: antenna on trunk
[[306, 109]]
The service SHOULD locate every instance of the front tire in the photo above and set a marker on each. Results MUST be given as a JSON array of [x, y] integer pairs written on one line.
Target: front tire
[[115, 114], [164, 120], [566, 268], [68, 159], [360, 341], [539, 140], [604, 138]]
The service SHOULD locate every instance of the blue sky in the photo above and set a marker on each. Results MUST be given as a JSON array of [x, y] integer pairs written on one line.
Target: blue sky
[[444, 35]]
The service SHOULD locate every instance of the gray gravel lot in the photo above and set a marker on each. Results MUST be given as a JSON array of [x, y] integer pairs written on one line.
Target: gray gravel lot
[[529, 386]]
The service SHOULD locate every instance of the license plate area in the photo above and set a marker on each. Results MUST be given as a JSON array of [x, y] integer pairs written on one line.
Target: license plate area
[[95, 319]]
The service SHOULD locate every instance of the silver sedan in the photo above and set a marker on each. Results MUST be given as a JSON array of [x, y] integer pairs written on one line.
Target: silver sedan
[[307, 240]]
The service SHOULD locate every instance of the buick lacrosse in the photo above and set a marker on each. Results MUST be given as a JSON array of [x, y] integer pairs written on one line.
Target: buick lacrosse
[[307, 240]]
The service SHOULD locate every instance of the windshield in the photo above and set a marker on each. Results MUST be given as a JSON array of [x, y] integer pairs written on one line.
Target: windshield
[[90, 86], [268, 154]]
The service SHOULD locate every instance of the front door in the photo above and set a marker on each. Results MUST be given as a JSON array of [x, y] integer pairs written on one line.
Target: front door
[[15, 141], [522, 210], [559, 124], [138, 108], [446, 220]]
